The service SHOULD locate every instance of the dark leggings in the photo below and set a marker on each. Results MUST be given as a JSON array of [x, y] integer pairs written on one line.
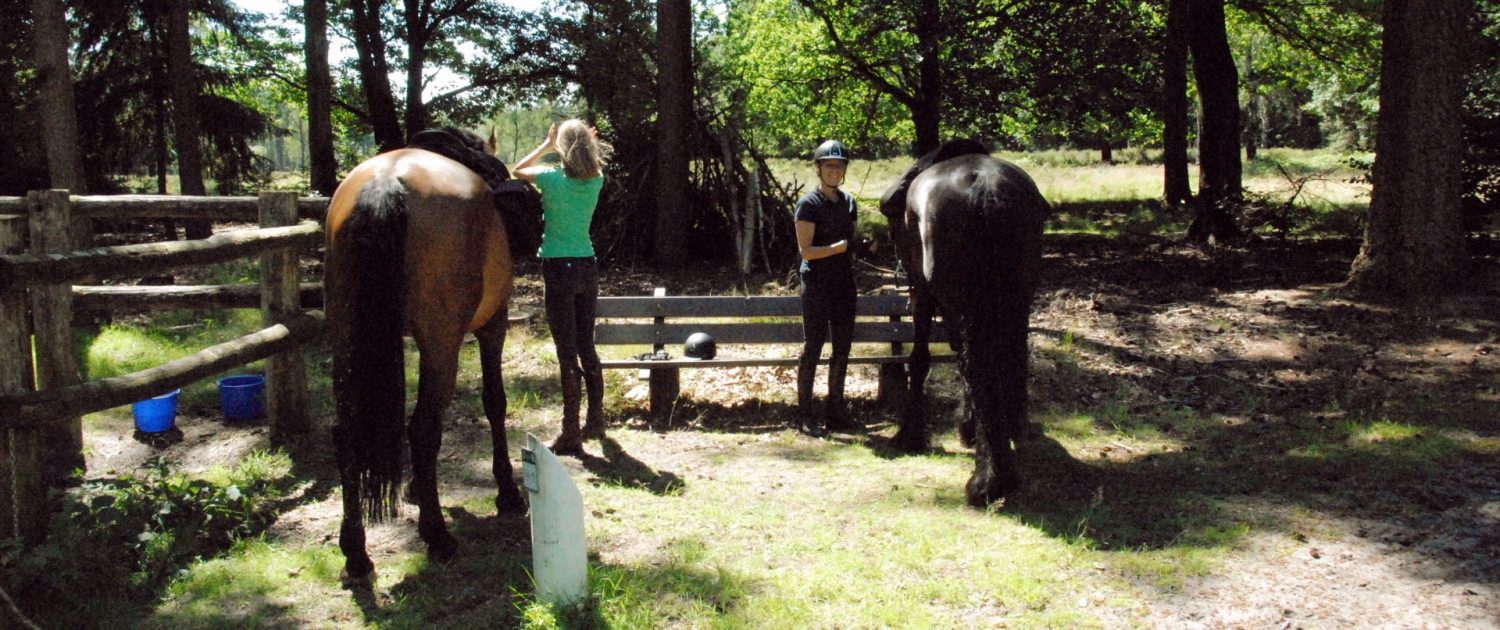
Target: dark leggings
[[827, 311], [571, 293]]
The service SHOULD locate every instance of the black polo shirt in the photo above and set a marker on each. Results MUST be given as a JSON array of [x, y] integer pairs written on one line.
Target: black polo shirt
[[833, 221]]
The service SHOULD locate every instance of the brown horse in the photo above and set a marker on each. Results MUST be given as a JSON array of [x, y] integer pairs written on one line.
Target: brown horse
[[968, 228], [416, 246]]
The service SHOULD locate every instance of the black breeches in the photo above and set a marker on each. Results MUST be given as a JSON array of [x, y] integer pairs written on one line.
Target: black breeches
[[571, 294], [827, 313]]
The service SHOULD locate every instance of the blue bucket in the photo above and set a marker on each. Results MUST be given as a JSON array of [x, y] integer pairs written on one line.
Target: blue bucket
[[242, 397], [155, 415]]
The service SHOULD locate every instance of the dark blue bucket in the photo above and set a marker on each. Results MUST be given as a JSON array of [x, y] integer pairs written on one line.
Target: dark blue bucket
[[155, 415], [242, 397]]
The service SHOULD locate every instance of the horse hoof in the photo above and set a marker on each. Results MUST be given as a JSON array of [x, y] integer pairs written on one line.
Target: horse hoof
[[810, 427], [986, 487], [510, 503], [593, 430], [910, 442], [568, 444], [442, 550], [357, 578]]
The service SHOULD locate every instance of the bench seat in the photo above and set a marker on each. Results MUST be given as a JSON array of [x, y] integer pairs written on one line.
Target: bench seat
[[664, 322]]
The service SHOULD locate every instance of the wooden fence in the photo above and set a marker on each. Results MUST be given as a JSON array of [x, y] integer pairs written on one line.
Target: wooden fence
[[41, 396]]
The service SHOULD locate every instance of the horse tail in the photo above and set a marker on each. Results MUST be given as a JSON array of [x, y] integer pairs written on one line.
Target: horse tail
[[1009, 212], [371, 382]]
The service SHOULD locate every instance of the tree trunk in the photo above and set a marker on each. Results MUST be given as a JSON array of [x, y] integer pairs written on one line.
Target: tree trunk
[[927, 112], [59, 114], [674, 47], [1174, 107], [1251, 134], [159, 146], [185, 112], [1218, 143], [163, 160], [416, 61], [324, 168], [1107, 153], [374, 74], [1413, 245]]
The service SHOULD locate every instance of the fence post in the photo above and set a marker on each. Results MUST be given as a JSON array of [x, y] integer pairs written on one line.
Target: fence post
[[286, 373], [663, 383], [52, 323], [23, 492]]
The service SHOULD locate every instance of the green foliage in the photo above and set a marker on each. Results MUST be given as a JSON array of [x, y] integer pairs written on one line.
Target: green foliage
[[1075, 92], [796, 93], [1481, 169], [123, 91], [1308, 73], [118, 541]]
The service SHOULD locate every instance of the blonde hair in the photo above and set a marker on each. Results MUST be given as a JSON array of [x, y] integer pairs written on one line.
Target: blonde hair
[[582, 154]]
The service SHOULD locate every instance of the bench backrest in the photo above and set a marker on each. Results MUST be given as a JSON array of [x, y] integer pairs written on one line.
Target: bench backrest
[[664, 309]]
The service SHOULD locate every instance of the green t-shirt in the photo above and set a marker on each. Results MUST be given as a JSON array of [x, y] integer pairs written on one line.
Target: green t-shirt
[[567, 211]]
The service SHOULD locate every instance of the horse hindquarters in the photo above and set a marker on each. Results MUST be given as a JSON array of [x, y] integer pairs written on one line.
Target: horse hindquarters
[[364, 303]]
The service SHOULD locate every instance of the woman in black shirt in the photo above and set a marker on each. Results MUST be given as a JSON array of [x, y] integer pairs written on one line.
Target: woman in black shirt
[[825, 227]]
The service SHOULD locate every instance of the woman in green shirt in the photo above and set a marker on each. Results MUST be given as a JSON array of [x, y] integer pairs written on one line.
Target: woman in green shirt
[[570, 274]]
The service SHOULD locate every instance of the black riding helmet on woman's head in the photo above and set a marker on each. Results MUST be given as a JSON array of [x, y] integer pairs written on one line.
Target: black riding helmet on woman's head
[[831, 150]]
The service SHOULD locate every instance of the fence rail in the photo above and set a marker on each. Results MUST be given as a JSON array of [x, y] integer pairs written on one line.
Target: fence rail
[[232, 209], [27, 270], [37, 409], [143, 298]]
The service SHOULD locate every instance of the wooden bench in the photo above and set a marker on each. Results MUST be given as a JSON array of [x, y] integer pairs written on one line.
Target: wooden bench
[[664, 322]]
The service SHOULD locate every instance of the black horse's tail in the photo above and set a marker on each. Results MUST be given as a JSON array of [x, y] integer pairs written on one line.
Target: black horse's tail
[[369, 370], [1010, 212]]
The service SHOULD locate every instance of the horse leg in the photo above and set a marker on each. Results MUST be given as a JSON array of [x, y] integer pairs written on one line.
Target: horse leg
[[970, 414], [358, 569], [438, 373], [914, 435], [491, 345]]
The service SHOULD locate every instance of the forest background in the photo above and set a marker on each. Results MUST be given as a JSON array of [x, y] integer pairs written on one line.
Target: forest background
[[203, 96], [1192, 328]]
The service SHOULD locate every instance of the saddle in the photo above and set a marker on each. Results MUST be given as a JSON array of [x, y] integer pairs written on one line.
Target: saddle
[[520, 204]]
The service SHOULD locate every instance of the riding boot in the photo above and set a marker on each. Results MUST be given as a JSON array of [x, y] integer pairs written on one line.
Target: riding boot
[[837, 413], [807, 420], [593, 422], [570, 442]]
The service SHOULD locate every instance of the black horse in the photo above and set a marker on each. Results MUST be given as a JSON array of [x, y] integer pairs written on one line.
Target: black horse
[[968, 228]]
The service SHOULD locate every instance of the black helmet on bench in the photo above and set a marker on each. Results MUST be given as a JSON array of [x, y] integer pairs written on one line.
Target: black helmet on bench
[[699, 345]]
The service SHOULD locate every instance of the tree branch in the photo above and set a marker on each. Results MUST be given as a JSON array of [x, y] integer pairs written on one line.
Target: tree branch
[[857, 64]]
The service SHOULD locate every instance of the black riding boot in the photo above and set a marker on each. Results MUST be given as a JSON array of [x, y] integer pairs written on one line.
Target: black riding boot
[[836, 413], [593, 422], [570, 441], [807, 420]]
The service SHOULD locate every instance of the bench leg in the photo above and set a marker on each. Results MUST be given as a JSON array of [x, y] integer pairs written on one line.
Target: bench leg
[[665, 387]]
